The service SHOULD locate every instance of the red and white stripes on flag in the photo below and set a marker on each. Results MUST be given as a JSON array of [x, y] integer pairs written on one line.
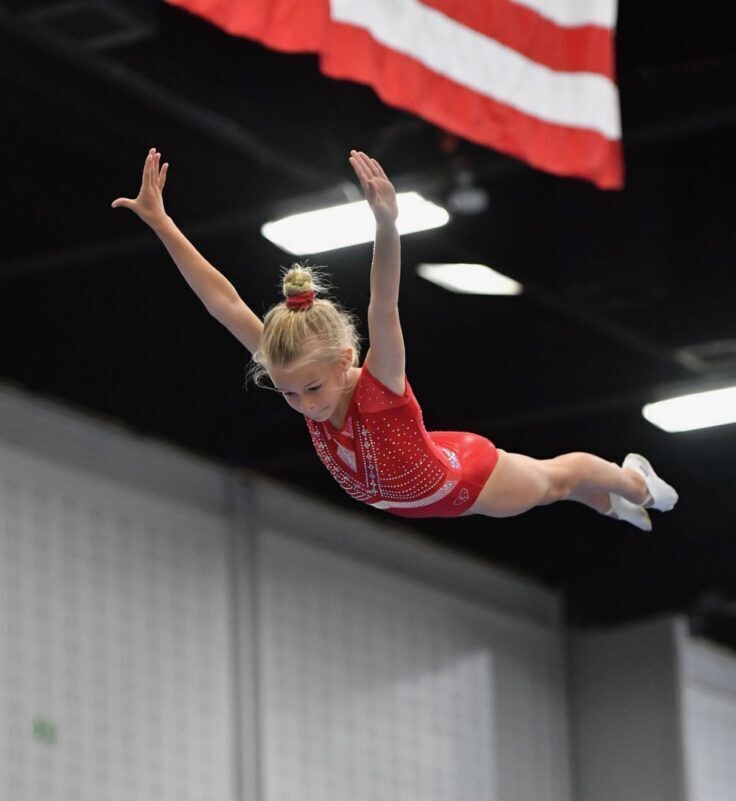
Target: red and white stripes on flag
[[531, 78]]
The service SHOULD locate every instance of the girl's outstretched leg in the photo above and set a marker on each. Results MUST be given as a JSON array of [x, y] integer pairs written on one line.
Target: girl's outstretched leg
[[519, 483]]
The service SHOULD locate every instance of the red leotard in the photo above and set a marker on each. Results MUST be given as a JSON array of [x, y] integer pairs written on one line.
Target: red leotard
[[385, 457]]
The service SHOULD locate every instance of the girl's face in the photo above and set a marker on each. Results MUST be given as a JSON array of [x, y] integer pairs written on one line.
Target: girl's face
[[315, 389]]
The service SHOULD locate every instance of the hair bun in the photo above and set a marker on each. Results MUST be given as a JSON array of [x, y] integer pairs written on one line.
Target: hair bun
[[298, 279]]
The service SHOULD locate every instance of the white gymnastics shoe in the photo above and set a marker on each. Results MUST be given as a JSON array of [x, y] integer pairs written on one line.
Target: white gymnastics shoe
[[661, 495], [629, 512]]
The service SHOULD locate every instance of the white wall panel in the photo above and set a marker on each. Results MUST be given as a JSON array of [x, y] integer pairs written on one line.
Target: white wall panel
[[711, 745], [377, 687], [627, 727], [710, 721], [115, 669]]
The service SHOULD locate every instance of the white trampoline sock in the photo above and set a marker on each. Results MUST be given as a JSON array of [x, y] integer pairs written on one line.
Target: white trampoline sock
[[661, 495], [629, 512]]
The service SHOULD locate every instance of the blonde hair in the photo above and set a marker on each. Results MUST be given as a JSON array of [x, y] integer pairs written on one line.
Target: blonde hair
[[320, 332]]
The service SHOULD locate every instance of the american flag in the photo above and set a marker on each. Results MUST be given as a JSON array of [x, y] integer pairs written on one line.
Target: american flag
[[534, 79]]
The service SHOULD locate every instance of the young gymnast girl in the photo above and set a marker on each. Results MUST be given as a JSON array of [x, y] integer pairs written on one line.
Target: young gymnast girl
[[365, 422]]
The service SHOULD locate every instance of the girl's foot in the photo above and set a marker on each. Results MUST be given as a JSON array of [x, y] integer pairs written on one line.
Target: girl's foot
[[661, 495], [622, 509]]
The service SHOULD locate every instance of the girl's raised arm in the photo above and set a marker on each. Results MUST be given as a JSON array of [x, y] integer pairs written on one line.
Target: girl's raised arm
[[214, 290], [386, 358]]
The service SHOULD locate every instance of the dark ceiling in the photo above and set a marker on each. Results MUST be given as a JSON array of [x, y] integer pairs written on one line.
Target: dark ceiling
[[92, 313]]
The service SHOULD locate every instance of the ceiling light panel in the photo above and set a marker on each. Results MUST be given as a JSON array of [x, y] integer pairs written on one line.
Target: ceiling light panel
[[476, 279], [349, 224], [698, 410]]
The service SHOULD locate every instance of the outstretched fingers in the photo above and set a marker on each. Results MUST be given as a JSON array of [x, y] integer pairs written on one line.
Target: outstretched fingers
[[162, 176], [369, 166], [152, 169], [367, 170], [148, 168], [378, 189], [358, 163], [157, 171], [378, 170], [153, 180]]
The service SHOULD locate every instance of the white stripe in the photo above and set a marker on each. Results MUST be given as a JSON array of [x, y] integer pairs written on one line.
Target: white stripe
[[438, 495], [575, 12], [582, 100]]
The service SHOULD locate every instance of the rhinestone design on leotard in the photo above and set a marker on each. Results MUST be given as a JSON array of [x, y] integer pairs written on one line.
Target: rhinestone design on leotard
[[351, 484], [383, 455], [452, 456], [347, 456]]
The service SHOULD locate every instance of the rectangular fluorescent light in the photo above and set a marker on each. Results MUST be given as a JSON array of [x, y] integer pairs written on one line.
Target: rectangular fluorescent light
[[349, 224], [475, 279], [699, 410]]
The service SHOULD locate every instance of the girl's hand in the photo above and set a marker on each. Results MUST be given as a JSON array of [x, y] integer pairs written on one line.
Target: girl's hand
[[149, 205], [379, 191]]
